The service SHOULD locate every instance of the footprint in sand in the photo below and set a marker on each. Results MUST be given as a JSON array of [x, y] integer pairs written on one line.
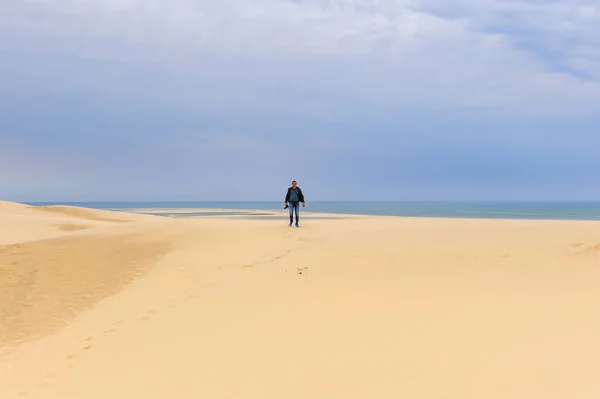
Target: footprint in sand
[[148, 315], [50, 375]]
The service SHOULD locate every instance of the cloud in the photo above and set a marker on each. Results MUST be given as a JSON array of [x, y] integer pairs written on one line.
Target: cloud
[[563, 36], [431, 52]]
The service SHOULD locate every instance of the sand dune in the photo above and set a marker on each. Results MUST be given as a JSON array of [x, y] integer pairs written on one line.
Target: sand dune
[[21, 223], [356, 308], [48, 274]]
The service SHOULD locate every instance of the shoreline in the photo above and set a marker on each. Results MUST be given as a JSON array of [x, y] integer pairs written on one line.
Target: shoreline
[[508, 210], [249, 213]]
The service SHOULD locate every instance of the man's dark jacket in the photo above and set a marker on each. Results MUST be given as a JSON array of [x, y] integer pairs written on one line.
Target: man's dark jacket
[[298, 190]]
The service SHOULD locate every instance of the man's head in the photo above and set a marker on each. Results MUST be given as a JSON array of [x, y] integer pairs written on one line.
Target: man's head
[[294, 184]]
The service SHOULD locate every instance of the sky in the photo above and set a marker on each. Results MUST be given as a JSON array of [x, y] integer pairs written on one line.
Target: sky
[[204, 100]]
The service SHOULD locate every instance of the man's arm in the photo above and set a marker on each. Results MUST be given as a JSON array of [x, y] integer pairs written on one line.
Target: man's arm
[[300, 195], [287, 196]]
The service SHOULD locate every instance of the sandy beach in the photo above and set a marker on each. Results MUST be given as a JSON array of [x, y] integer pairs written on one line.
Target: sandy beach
[[101, 304]]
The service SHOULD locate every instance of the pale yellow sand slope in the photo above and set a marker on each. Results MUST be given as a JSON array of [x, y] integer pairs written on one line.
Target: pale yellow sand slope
[[52, 266], [383, 308]]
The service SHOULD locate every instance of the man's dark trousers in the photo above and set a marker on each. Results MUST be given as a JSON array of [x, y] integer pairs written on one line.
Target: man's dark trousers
[[294, 207]]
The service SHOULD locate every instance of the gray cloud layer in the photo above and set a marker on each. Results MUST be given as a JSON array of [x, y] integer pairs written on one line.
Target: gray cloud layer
[[185, 99]]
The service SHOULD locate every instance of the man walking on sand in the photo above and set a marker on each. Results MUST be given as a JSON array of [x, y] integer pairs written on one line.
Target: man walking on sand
[[293, 199]]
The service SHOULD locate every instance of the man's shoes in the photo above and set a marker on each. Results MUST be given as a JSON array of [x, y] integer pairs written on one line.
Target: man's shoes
[[297, 225], [290, 225]]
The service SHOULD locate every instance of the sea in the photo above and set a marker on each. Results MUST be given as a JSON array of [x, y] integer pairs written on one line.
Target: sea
[[446, 209]]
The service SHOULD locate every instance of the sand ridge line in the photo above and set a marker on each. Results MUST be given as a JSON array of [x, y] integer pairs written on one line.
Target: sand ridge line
[[88, 214], [8, 206]]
